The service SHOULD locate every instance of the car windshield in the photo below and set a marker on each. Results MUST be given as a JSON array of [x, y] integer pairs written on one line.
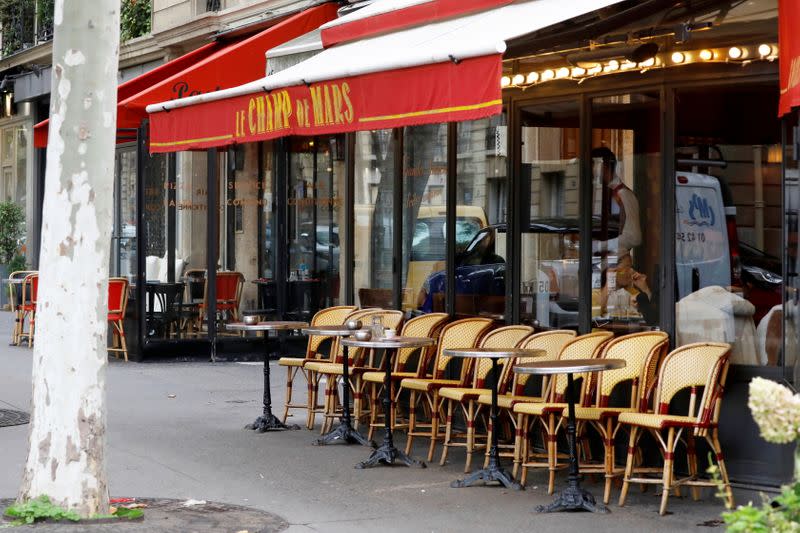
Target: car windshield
[[428, 242]]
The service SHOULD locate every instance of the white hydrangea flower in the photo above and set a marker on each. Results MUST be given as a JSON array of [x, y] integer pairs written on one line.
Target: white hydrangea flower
[[776, 410]]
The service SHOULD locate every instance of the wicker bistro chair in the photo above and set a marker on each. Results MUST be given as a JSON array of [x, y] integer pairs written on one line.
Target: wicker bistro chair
[[427, 325], [332, 316], [15, 298], [642, 353], [117, 305], [548, 413], [463, 333], [30, 295], [513, 386], [357, 363], [687, 367], [466, 397]]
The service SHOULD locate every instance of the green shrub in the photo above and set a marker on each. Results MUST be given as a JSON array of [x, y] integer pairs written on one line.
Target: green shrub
[[12, 230], [134, 19]]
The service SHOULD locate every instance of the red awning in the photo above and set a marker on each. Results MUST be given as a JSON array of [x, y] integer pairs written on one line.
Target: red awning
[[140, 83], [212, 67], [789, 42], [445, 68], [442, 92]]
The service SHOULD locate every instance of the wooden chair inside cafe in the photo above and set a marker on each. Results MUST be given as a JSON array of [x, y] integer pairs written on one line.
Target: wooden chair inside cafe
[[229, 295], [117, 306]]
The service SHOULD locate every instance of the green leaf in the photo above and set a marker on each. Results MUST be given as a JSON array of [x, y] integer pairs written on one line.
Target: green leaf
[[129, 514]]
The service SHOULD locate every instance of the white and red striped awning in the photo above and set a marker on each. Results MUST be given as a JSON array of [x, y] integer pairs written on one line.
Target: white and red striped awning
[[393, 63]]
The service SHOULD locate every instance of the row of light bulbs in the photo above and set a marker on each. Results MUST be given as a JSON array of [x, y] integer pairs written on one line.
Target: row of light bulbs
[[734, 53]]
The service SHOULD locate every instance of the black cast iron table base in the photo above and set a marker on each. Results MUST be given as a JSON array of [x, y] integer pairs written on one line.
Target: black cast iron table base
[[387, 454], [573, 499], [345, 434], [487, 475], [269, 422]]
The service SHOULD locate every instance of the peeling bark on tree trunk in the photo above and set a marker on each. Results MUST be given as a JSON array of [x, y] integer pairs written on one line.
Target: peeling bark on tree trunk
[[66, 459]]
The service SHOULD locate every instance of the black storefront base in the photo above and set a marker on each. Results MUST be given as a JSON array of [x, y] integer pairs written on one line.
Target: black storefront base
[[752, 462], [228, 349]]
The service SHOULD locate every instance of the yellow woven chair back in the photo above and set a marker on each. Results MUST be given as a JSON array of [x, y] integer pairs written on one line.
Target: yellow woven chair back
[[641, 353], [505, 337], [586, 346], [464, 333], [427, 325], [390, 319], [701, 364], [332, 316], [364, 315], [551, 342]]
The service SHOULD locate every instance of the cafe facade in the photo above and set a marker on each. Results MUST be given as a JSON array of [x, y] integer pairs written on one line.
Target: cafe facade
[[608, 165]]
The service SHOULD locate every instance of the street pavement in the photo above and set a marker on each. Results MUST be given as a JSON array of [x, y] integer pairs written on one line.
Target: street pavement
[[175, 430]]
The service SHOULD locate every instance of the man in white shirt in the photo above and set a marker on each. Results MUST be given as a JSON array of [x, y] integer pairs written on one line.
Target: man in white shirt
[[623, 206]]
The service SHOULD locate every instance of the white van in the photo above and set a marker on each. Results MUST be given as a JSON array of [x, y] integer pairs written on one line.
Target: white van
[[702, 251]]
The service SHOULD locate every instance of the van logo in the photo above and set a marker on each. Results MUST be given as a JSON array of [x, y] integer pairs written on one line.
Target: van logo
[[700, 213]]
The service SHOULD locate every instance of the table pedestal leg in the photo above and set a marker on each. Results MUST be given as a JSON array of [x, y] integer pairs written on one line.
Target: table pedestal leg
[[386, 453], [493, 472], [344, 432], [268, 421], [573, 498]]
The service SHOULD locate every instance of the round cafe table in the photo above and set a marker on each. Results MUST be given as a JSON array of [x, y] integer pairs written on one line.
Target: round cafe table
[[386, 453], [573, 498], [493, 472], [267, 421], [344, 432]]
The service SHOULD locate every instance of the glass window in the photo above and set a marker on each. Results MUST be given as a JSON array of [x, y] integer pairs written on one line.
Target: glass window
[[374, 218], [626, 194], [424, 195], [480, 232], [728, 240], [791, 204], [316, 171], [550, 173]]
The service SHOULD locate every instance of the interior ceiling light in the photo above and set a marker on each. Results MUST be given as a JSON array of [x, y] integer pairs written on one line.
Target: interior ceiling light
[[518, 79], [648, 62], [764, 50], [678, 57], [505, 81], [627, 65], [563, 72], [735, 52], [533, 77], [612, 65], [548, 75], [578, 71], [594, 70], [706, 55]]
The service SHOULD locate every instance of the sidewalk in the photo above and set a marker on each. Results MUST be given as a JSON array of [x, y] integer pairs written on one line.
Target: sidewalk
[[193, 445]]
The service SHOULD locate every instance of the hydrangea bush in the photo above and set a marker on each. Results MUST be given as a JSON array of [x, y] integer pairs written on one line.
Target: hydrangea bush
[[776, 410]]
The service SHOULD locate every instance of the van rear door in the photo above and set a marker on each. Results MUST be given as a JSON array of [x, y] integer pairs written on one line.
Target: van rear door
[[702, 257]]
